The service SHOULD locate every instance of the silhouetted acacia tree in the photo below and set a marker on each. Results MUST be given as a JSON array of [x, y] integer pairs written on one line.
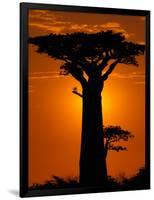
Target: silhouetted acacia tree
[[114, 135], [90, 59]]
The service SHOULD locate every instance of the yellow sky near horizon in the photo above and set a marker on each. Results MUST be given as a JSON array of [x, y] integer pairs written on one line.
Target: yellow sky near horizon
[[55, 112]]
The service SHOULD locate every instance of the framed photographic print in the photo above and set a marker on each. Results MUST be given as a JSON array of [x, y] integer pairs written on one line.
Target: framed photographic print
[[85, 99]]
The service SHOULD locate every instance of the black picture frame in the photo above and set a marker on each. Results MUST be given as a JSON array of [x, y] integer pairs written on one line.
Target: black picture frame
[[24, 7]]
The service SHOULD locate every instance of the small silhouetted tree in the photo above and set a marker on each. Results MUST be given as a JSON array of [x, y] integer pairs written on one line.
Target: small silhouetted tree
[[90, 59], [113, 135]]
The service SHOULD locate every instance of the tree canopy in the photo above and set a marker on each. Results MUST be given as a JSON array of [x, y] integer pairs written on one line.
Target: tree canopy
[[114, 134], [89, 53]]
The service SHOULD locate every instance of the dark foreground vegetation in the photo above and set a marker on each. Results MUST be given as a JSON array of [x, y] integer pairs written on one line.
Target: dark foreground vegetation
[[139, 181]]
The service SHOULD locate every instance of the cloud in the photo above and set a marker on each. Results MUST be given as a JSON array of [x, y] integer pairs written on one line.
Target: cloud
[[128, 76], [55, 74], [111, 25], [39, 73], [138, 77], [54, 29], [140, 82], [45, 75], [99, 27], [53, 23], [39, 76], [47, 21], [41, 15]]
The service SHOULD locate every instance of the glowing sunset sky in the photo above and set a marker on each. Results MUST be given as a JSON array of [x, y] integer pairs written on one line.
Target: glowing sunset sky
[[55, 112]]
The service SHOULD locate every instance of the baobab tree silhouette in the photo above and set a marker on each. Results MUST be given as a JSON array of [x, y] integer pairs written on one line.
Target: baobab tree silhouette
[[90, 59], [114, 135]]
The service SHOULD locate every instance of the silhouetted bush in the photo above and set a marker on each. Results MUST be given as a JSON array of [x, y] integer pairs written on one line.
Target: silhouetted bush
[[56, 182], [139, 181]]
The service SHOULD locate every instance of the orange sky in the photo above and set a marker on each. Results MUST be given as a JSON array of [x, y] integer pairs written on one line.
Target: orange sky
[[55, 112]]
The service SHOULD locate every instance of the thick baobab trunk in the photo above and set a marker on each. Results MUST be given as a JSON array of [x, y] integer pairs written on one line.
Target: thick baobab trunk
[[92, 160]]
